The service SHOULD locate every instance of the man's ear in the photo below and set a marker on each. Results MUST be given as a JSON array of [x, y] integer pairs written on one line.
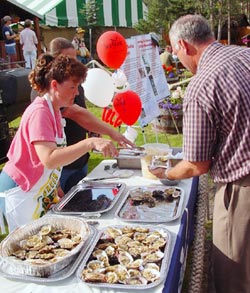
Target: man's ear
[[184, 45]]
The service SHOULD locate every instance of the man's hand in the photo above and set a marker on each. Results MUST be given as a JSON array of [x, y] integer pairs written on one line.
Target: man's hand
[[121, 139], [158, 172]]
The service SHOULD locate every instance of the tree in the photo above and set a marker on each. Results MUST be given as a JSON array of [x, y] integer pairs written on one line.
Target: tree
[[161, 15], [90, 15]]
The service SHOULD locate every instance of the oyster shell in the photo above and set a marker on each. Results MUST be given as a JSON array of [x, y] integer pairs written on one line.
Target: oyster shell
[[31, 254], [113, 232], [34, 240], [121, 240], [151, 275], [45, 230], [66, 243], [136, 264], [142, 229], [103, 257], [135, 243], [94, 277], [152, 265], [76, 238], [45, 256], [158, 243], [139, 236], [110, 250], [122, 274], [127, 229], [60, 252], [48, 240], [94, 265], [125, 258], [136, 281], [150, 239], [21, 254], [105, 245], [152, 256], [111, 277], [176, 194], [134, 273], [96, 252]]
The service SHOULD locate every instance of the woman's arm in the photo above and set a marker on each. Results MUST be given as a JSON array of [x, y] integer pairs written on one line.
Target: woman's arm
[[52, 156]]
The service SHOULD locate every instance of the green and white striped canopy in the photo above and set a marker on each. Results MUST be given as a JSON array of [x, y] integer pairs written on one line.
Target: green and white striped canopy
[[36, 7], [119, 13]]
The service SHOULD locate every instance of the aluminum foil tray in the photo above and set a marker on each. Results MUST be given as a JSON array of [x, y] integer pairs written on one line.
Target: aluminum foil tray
[[151, 204], [58, 276], [14, 266], [90, 199], [149, 264], [130, 158]]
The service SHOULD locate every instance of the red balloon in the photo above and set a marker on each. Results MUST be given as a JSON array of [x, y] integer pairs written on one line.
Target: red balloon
[[128, 106], [112, 49]]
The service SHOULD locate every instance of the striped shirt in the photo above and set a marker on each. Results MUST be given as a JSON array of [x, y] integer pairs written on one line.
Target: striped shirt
[[216, 122]]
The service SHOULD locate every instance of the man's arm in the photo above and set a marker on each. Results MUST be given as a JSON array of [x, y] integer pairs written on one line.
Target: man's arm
[[183, 170], [90, 122]]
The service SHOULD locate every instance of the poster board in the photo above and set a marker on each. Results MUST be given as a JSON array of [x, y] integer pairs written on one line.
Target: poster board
[[145, 75]]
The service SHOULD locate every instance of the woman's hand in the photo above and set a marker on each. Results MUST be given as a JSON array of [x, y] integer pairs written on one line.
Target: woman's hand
[[105, 146]]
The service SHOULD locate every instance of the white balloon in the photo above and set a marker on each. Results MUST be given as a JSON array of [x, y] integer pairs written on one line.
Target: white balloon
[[99, 87]]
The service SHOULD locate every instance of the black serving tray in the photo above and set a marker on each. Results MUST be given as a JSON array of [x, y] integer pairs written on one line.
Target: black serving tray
[[90, 199]]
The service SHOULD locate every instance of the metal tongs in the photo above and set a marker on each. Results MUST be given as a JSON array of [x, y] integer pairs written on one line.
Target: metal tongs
[[131, 151]]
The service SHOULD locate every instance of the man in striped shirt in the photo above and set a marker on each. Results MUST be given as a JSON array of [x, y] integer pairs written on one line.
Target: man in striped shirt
[[216, 134]]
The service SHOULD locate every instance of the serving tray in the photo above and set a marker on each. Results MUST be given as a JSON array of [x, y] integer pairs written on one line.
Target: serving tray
[[151, 204], [90, 199], [155, 259], [61, 275]]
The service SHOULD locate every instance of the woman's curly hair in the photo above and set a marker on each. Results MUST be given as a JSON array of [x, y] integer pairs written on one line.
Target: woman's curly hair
[[61, 68]]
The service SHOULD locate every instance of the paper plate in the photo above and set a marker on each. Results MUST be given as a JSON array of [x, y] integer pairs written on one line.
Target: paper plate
[[123, 173]]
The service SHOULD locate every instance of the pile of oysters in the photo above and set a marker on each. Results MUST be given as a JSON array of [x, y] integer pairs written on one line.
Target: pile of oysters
[[47, 246], [130, 255]]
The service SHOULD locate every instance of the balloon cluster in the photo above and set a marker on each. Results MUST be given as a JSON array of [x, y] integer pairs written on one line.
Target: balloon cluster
[[100, 87]]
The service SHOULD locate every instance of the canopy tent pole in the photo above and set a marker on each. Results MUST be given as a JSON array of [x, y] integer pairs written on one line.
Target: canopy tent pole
[[90, 41], [38, 34]]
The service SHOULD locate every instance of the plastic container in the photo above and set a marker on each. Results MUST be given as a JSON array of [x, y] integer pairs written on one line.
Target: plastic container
[[151, 150], [131, 134]]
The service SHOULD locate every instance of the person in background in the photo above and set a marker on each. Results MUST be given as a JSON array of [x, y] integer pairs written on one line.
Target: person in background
[[166, 57], [216, 131], [155, 41], [38, 150], [28, 40], [82, 52], [9, 40], [78, 119]]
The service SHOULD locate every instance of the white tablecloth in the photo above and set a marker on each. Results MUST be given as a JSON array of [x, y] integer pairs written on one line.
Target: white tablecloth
[[72, 284]]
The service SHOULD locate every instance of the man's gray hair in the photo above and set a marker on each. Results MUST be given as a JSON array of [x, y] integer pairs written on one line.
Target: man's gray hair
[[194, 29]]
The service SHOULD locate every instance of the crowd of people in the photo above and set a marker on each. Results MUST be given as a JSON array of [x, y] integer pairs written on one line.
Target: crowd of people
[[216, 131]]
